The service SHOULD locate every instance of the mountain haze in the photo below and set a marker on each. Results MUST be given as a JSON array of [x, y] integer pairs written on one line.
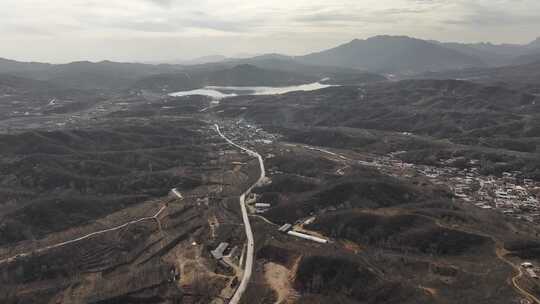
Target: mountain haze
[[390, 54], [534, 44], [349, 62], [524, 77], [527, 59], [240, 75]]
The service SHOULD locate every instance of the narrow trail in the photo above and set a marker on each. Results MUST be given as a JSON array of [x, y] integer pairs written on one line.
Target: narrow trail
[[500, 252], [154, 217]]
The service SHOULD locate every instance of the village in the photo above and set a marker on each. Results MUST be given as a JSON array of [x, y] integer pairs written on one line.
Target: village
[[511, 194]]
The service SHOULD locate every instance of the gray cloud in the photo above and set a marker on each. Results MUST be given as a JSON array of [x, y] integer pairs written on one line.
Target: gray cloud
[[481, 16], [95, 29], [28, 30], [166, 3], [373, 16], [181, 25]]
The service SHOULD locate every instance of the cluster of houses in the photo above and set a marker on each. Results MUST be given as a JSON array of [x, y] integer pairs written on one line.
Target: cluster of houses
[[242, 131], [510, 194]]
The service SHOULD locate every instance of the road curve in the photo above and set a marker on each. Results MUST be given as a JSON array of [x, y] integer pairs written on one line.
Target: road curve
[[249, 234], [515, 278]]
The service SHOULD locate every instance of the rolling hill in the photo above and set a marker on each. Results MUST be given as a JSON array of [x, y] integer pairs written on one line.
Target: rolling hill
[[104, 75], [523, 77], [107, 76], [527, 59], [240, 75]]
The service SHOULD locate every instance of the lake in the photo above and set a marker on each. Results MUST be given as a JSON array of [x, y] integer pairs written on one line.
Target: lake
[[219, 92]]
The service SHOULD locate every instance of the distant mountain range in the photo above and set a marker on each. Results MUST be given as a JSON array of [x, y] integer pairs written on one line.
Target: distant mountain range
[[405, 55], [400, 55], [393, 54], [497, 55], [352, 63], [268, 70], [83, 75], [239, 75]]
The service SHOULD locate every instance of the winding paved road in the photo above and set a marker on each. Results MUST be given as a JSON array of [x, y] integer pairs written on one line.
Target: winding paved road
[[249, 233]]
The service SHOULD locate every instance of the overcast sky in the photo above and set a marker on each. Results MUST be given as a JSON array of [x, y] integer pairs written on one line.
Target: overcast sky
[[155, 30]]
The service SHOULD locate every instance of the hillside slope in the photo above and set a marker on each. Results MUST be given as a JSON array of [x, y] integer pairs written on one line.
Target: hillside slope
[[524, 76]]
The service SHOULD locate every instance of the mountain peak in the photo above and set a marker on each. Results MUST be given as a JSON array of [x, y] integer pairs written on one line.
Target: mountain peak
[[391, 54], [535, 43], [382, 37]]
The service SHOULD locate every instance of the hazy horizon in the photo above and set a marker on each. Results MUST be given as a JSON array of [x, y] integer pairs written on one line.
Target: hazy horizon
[[170, 30]]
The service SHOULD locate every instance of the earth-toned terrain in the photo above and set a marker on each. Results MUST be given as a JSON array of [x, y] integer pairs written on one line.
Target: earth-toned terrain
[[113, 189]]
